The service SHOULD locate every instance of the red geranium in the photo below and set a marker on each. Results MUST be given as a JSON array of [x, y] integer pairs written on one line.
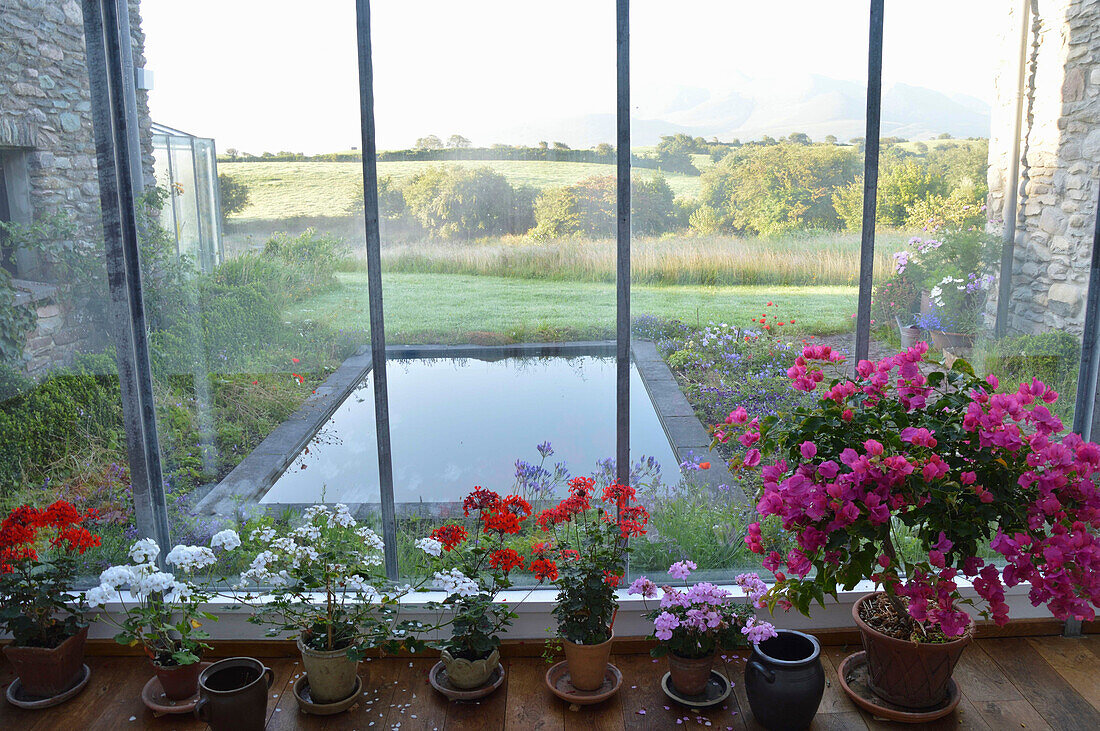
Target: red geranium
[[479, 499], [544, 568], [449, 535], [505, 559]]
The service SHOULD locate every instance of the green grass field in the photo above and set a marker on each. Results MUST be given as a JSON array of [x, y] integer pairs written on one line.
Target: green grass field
[[442, 308], [287, 189]]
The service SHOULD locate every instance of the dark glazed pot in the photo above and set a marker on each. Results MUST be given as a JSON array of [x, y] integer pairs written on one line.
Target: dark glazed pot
[[909, 674], [233, 694], [47, 672], [784, 681]]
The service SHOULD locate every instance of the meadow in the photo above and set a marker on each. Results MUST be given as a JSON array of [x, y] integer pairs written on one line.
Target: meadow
[[310, 189]]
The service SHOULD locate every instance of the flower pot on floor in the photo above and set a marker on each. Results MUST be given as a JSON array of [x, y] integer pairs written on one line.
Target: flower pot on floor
[[906, 673], [689, 675], [587, 663], [909, 334], [331, 674], [45, 672], [944, 340], [233, 694], [179, 681], [784, 680], [469, 674]]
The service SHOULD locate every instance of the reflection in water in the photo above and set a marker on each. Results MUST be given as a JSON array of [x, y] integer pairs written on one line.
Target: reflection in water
[[456, 423]]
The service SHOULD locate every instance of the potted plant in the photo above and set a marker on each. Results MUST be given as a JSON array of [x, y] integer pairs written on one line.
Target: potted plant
[[162, 613], [586, 556], [473, 568], [692, 625], [323, 582], [906, 478], [39, 550]]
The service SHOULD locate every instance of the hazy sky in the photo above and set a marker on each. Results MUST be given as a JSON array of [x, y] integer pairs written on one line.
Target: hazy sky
[[282, 75]]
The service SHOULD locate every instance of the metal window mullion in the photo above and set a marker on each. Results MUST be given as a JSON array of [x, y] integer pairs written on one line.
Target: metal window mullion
[[622, 277], [374, 286], [114, 153], [870, 182]]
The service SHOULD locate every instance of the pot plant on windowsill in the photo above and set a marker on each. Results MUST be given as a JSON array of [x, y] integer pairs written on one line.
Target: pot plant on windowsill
[[39, 551], [905, 479], [165, 616], [473, 568], [692, 625], [586, 556], [323, 582]]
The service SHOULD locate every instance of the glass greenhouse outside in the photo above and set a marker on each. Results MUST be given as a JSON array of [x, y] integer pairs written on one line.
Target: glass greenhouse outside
[[186, 167]]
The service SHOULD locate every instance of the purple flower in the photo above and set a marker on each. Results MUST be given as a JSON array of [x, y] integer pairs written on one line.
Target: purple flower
[[682, 569], [664, 624], [643, 586], [758, 631]]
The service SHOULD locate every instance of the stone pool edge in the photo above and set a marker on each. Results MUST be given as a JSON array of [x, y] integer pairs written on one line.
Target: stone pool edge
[[249, 481]]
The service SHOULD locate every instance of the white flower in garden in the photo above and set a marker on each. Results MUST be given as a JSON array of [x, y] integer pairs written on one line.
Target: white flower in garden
[[189, 558], [430, 546], [305, 553], [117, 577], [227, 539], [342, 517], [285, 545], [157, 582], [313, 511], [456, 582], [370, 538], [144, 551], [308, 532], [359, 585], [178, 592], [100, 595], [263, 534]]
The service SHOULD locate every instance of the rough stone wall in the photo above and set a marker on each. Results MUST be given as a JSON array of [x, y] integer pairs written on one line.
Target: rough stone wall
[[45, 110], [1060, 159]]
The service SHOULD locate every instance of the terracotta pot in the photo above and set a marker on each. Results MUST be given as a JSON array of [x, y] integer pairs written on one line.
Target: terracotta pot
[[905, 673], [470, 674], [331, 674], [689, 675], [179, 681], [45, 672], [587, 663], [784, 680], [233, 694], [953, 341]]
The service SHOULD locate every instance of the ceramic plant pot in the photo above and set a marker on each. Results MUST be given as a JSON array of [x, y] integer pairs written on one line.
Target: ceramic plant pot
[[179, 681], [689, 675], [46, 672], [587, 663], [909, 334], [331, 674], [470, 674], [905, 673], [784, 681], [233, 694]]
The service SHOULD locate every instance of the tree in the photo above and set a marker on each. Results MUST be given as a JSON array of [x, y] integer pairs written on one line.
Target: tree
[[431, 142], [233, 194], [457, 141], [605, 150], [944, 136], [830, 139], [544, 145], [468, 203], [799, 138], [561, 146], [232, 152]]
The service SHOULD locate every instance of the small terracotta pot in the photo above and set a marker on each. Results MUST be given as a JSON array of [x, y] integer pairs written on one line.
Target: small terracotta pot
[[470, 674], [179, 681], [905, 673], [233, 694], [331, 674], [689, 675], [45, 672], [587, 663]]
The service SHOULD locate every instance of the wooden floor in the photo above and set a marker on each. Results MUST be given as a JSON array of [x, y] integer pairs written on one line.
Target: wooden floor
[[1017, 683]]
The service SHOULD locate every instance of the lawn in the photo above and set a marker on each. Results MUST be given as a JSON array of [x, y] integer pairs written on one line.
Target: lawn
[[288, 189], [458, 308]]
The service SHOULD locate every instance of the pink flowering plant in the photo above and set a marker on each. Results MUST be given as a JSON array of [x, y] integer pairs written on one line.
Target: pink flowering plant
[[698, 620], [939, 456]]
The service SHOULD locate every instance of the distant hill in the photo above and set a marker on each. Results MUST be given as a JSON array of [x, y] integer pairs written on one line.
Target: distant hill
[[752, 108]]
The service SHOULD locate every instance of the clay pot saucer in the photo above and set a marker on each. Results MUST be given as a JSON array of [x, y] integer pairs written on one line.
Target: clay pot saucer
[[853, 678], [17, 698], [717, 690], [561, 685], [437, 676], [152, 695], [305, 701]]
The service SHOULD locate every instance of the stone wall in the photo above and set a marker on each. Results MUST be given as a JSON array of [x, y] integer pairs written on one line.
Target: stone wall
[[1060, 158], [46, 115]]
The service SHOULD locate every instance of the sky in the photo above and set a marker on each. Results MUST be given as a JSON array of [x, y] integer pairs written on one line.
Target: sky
[[282, 74]]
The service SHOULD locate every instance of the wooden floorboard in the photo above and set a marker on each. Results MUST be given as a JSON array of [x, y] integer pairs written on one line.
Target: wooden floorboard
[[1029, 683]]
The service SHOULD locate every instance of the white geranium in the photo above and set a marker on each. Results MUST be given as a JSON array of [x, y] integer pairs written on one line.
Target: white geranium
[[157, 582], [117, 577], [190, 558], [308, 532], [100, 595], [359, 585], [342, 517], [314, 510], [226, 539], [370, 538], [263, 534], [145, 550], [454, 581], [178, 592], [430, 546]]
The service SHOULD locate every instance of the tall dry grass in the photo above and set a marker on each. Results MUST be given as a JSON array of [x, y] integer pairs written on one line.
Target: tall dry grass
[[829, 258]]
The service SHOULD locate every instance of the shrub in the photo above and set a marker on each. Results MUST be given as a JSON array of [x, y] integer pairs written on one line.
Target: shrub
[[452, 202], [233, 194]]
